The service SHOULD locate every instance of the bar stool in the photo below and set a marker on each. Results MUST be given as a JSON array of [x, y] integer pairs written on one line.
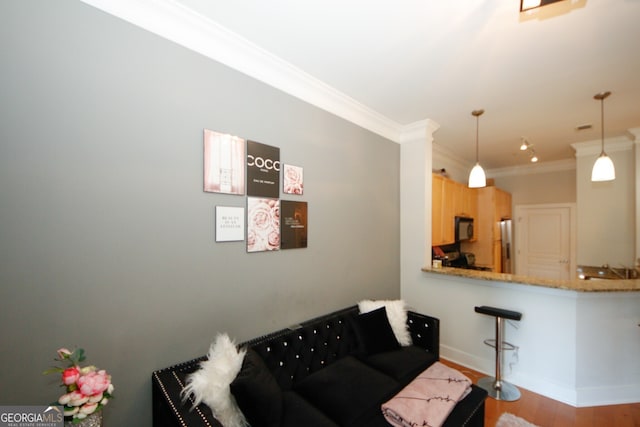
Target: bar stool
[[498, 389]]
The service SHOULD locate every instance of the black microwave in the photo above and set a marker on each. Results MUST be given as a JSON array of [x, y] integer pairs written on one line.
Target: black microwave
[[464, 228]]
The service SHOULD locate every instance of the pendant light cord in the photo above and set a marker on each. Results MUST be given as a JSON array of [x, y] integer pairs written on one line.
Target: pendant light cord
[[601, 97], [477, 138], [477, 114], [602, 124]]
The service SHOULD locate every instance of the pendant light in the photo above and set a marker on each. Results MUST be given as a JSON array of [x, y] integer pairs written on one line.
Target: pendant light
[[603, 169], [477, 177]]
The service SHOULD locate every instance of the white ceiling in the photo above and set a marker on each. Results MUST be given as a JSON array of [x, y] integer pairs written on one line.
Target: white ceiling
[[534, 74]]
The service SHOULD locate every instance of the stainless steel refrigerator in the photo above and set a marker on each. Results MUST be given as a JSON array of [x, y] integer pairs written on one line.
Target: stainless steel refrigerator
[[506, 238]]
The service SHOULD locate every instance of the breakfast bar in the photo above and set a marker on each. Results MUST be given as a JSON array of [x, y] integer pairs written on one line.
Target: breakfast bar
[[577, 342], [578, 285]]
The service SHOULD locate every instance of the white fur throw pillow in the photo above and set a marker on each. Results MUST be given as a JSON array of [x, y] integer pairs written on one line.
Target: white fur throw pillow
[[397, 314], [210, 384]]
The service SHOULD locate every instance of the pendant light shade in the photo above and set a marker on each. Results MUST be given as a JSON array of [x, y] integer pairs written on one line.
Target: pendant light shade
[[477, 177], [603, 169]]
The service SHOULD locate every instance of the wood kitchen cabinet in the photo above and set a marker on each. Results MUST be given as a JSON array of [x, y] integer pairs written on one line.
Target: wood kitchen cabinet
[[441, 211], [449, 199], [465, 202], [494, 205]]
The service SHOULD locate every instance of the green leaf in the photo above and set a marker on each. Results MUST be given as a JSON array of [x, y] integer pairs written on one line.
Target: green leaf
[[53, 370], [78, 356]]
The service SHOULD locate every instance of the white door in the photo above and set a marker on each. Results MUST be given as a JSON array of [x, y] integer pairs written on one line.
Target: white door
[[545, 242]]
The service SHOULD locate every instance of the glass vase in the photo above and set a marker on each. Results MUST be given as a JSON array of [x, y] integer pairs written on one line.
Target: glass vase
[[93, 420]]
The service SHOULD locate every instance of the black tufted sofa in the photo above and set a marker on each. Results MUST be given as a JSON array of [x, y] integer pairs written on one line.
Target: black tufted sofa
[[324, 377]]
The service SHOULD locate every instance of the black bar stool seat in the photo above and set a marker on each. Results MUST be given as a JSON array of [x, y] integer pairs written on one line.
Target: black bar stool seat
[[495, 386], [499, 312]]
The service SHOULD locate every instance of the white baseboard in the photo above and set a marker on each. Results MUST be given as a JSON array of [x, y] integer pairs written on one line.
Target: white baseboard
[[577, 397], [467, 359], [600, 396]]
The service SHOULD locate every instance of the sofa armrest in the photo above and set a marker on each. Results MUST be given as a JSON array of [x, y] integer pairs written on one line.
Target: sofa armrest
[[168, 408], [425, 331]]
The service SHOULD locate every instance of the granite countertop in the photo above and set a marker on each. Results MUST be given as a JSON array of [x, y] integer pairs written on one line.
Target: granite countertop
[[570, 285]]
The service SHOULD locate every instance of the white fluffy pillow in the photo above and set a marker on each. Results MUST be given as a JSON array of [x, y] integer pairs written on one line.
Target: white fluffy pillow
[[397, 314], [210, 384]]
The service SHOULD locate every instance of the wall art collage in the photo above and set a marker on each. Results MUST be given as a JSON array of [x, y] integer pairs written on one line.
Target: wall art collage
[[233, 165]]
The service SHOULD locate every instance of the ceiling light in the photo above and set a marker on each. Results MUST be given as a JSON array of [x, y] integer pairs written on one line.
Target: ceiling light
[[526, 5], [477, 177], [603, 169], [528, 147]]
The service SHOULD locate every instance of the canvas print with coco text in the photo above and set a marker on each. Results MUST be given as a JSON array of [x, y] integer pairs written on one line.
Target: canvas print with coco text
[[224, 163]]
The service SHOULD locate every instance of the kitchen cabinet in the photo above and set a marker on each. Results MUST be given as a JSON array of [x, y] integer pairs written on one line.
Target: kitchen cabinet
[[441, 211], [465, 201], [449, 199], [494, 205]]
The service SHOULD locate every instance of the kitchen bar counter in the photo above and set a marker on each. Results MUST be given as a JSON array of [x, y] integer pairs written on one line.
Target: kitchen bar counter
[[577, 342], [591, 285]]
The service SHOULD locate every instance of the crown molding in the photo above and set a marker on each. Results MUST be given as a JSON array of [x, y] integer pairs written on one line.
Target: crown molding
[[634, 134], [593, 148], [417, 131], [175, 22]]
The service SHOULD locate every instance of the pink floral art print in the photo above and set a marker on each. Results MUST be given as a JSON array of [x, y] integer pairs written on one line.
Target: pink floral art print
[[293, 180], [263, 224]]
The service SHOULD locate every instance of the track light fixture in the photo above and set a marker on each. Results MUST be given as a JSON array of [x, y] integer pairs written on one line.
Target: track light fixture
[[528, 147]]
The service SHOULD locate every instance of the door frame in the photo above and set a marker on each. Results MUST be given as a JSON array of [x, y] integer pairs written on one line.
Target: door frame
[[521, 210]]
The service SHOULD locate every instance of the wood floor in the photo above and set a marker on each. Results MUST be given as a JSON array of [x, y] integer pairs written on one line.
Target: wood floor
[[545, 412]]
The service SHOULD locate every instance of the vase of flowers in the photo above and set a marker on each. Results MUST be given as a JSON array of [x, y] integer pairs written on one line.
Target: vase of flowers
[[87, 389]]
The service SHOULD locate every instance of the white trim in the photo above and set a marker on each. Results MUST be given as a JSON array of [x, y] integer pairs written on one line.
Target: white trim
[[634, 134], [593, 148], [175, 22], [418, 131]]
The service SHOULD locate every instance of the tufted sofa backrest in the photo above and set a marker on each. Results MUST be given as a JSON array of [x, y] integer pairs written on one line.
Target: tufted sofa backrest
[[292, 354]]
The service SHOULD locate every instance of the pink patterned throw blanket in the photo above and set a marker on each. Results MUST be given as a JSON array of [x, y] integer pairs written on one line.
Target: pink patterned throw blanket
[[429, 399]]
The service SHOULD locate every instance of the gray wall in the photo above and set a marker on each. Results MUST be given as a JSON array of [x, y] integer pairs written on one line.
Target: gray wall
[[540, 188], [106, 237]]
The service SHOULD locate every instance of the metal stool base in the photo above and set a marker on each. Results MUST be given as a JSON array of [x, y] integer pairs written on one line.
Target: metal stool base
[[506, 391]]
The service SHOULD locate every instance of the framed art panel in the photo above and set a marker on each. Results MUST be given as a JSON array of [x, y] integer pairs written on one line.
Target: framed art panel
[[224, 163], [229, 224], [293, 224], [263, 170], [293, 179], [263, 224]]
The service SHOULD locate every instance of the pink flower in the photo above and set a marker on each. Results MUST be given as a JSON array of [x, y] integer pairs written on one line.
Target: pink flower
[[88, 408], [70, 375], [94, 383], [75, 398], [68, 412]]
